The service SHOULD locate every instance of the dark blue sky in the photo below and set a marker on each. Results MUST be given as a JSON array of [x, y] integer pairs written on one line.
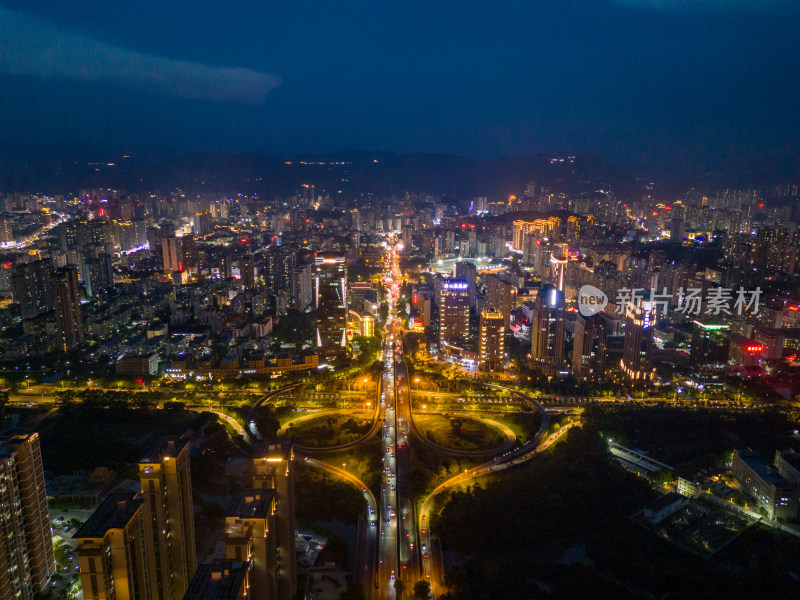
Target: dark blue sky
[[635, 81]]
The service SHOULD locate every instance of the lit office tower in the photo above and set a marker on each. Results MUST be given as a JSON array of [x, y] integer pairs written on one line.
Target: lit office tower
[[67, 302], [466, 271], [492, 340], [273, 470], [547, 329], [454, 312], [111, 550], [26, 546], [250, 524], [168, 518], [589, 347], [501, 295], [331, 301], [640, 318], [30, 287]]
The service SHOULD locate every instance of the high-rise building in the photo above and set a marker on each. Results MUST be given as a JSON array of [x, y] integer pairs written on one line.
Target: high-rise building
[[454, 312], [168, 518], [250, 534], [331, 301], [273, 470], [172, 254], [247, 270], [709, 353], [30, 287], [547, 328], [281, 264], [67, 302], [533, 253], [589, 347], [541, 228], [303, 287], [179, 253], [111, 550], [98, 276], [466, 271], [640, 318], [501, 296], [26, 547], [492, 340]]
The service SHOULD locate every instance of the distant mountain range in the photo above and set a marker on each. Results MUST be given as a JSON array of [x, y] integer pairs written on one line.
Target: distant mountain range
[[381, 174]]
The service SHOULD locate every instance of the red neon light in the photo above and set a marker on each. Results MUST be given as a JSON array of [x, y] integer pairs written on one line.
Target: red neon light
[[793, 308], [754, 348]]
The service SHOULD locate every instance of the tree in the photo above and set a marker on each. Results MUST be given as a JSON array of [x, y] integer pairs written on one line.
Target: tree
[[399, 587], [65, 399], [422, 589]]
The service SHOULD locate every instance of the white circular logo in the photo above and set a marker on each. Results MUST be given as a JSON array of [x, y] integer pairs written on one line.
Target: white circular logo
[[591, 300]]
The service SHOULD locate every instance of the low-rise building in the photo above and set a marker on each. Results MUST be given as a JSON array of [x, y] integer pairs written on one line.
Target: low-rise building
[[774, 494], [663, 507], [689, 489], [138, 365]]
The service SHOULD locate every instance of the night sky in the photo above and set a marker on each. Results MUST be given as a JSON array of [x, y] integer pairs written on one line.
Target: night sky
[[637, 82]]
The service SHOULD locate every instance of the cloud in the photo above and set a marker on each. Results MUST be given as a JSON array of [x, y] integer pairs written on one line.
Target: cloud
[[31, 47]]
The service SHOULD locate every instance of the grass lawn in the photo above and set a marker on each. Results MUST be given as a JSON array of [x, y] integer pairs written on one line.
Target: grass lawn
[[330, 430], [472, 434]]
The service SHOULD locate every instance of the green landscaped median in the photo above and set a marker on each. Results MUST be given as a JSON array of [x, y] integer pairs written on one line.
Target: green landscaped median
[[458, 432], [326, 430]]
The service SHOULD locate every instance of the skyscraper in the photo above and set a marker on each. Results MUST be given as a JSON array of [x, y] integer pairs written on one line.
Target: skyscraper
[[26, 547], [303, 287], [589, 348], [547, 329], [67, 301], [247, 271], [492, 340], [454, 312], [250, 534], [30, 287], [111, 550], [331, 302], [281, 263], [640, 318], [501, 296], [273, 470], [98, 276], [168, 518], [709, 353], [466, 271]]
